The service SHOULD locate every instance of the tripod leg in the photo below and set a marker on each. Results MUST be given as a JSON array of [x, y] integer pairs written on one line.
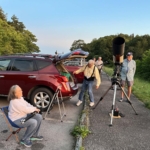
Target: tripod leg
[[127, 99], [113, 105], [102, 97], [49, 106]]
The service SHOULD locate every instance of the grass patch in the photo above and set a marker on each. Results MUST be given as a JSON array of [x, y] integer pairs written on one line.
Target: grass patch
[[82, 148], [82, 131], [141, 87], [108, 70]]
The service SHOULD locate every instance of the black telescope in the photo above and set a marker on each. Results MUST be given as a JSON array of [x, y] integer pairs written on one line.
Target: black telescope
[[118, 50]]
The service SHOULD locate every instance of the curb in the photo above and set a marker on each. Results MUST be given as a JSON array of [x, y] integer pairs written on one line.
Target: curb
[[82, 123]]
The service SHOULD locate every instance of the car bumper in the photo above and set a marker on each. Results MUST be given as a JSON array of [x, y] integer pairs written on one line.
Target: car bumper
[[73, 91]]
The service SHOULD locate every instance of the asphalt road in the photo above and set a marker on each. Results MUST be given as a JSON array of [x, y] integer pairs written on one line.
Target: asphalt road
[[131, 132], [56, 133]]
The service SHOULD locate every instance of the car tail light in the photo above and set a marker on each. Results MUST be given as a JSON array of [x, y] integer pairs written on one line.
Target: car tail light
[[64, 82], [66, 85], [62, 78]]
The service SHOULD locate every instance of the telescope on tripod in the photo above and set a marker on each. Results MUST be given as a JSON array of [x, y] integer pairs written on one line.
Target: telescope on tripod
[[118, 57]]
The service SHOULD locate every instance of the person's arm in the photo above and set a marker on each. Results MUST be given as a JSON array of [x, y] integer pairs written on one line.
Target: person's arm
[[25, 107], [79, 70], [29, 105], [97, 76], [134, 69]]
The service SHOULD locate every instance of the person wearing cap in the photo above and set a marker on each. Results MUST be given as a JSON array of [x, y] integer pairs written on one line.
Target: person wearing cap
[[127, 74], [90, 73]]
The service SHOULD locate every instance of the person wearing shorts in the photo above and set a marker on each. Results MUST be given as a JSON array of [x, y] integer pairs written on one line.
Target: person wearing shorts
[[127, 74]]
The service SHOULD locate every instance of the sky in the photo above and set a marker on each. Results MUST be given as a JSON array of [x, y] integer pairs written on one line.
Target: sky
[[58, 23]]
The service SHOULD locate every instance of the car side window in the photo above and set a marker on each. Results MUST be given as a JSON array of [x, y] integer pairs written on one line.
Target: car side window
[[22, 65], [42, 64], [4, 64]]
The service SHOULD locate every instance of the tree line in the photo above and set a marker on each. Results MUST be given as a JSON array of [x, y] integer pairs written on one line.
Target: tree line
[[14, 37], [139, 45]]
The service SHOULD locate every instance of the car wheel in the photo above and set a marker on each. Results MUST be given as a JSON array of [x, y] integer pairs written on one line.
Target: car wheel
[[41, 98]]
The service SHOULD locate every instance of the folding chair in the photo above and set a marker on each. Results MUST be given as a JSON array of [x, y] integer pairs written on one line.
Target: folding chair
[[10, 124]]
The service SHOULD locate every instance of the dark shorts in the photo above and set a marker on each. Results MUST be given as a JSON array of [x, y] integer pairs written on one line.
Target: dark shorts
[[129, 83]]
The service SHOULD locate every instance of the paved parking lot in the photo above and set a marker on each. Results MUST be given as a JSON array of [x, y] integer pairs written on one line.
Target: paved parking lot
[[131, 132], [56, 133]]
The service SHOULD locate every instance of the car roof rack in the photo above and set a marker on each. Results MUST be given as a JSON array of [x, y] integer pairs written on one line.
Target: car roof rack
[[33, 55]]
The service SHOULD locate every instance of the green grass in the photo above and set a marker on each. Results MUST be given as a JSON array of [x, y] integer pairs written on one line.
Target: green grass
[[141, 87], [80, 131], [108, 70]]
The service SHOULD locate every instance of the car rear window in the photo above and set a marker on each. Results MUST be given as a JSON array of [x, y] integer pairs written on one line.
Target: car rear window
[[42, 64], [4, 64]]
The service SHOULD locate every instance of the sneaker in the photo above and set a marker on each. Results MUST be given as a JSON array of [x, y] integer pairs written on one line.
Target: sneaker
[[36, 138], [91, 104], [26, 143], [78, 103], [121, 100]]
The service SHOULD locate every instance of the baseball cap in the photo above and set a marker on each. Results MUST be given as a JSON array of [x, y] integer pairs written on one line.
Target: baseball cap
[[129, 53]]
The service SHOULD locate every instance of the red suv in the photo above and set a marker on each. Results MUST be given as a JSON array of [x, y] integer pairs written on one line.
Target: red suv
[[38, 75]]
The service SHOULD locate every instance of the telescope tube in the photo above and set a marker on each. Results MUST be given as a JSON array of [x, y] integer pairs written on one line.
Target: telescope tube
[[118, 50]]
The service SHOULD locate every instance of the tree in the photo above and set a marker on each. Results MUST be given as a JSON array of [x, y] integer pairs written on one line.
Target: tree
[[77, 44], [143, 65], [19, 26], [14, 38], [2, 15], [12, 41]]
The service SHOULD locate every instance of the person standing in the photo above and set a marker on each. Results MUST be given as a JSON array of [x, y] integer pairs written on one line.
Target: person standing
[[94, 59], [127, 74], [90, 73], [99, 64]]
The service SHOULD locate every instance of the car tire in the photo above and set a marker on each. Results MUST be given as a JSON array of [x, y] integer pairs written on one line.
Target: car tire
[[41, 98]]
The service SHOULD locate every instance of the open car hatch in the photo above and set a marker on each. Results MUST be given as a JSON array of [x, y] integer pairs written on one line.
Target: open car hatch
[[78, 53]]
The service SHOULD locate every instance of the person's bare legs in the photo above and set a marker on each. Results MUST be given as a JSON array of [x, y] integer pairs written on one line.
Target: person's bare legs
[[122, 94], [129, 91]]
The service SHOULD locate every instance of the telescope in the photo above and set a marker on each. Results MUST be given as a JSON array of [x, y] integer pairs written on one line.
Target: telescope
[[118, 57], [118, 54], [118, 50]]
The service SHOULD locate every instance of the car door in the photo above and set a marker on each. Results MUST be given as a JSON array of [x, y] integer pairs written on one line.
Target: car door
[[23, 73], [4, 63]]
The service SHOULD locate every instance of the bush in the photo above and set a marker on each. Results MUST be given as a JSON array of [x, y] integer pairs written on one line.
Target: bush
[[143, 66]]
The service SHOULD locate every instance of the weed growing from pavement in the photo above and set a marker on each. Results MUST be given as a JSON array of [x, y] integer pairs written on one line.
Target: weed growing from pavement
[[82, 131], [82, 148], [86, 111]]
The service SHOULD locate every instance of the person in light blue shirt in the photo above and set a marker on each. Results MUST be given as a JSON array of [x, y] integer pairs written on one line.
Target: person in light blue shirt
[[127, 74]]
